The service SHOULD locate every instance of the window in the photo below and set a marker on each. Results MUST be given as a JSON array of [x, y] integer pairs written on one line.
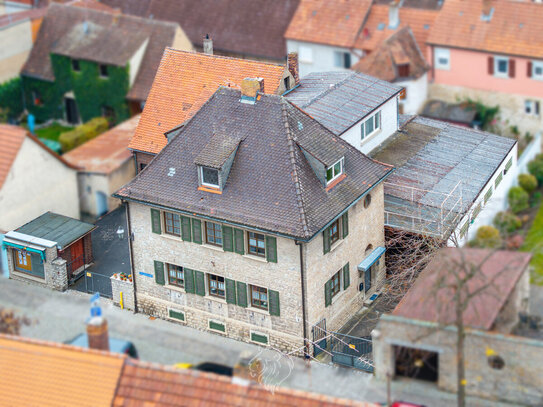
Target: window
[[335, 284], [442, 59], [286, 82], [172, 224], [215, 285], [142, 166], [501, 66], [176, 275], [306, 54], [257, 244], [108, 112], [371, 125], [103, 71], [537, 70], [36, 98], [259, 297], [23, 261], [75, 65], [367, 201], [334, 231], [214, 234], [531, 107], [342, 59], [210, 177], [334, 171], [403, 70]]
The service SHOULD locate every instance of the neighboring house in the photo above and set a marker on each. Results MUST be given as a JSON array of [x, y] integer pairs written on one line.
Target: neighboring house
[[16, 6], [17, 35], [418, 341], [490, 52], [185, 81], [256, 222], [252, 29], [399, 60], [105, 164], [88, 63], [52, 250]]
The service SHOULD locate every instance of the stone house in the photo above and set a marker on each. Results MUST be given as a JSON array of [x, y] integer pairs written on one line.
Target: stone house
[[254, 222], [418, 340], [88, 63]]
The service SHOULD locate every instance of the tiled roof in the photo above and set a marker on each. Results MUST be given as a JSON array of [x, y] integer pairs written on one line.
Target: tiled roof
[[514, 29], [117, 36], [271, 186], [183, 82], [399, 49], [247, 27], [36, 373], [93, 4], [106, 152], [31, 14], [338, 100], [498, 273], [332, 22]]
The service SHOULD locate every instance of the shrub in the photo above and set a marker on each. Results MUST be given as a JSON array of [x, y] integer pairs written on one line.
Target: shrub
[[518, 199], [514, 242], [11, 98], [507, 222], [83, 133], [535, 168], [527, 182], [535, 199], [487, 237]]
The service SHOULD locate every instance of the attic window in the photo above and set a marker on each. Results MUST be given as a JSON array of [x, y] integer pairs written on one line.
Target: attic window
[[210, 177], [75, 65], [334, 171], [103, 71], [403, 70]]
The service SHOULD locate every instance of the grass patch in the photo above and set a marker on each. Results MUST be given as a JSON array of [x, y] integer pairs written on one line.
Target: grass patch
[[52, 132], [534, 244]]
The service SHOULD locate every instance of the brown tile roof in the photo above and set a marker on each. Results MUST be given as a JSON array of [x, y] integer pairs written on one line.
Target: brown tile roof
[[93, 4], [37, 373], [400, 48], [32, 14], [332, 22], [60, 22], [247, 27], [498, 274], [183, 82], [106, 152], [514, 29]]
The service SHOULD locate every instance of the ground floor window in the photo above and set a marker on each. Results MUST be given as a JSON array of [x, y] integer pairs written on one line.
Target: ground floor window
[[29, 263], [416, 363], [23, 260]]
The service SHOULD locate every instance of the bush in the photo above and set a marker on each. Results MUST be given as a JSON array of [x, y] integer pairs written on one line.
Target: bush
[[518, 199], [535, 168], [83, 133], [487, 237], [11, 98], [527, 182], [507, 222]]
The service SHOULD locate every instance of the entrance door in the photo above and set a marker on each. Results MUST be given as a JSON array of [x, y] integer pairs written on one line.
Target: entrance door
[[72, 115], [101, 203], [76, 252]]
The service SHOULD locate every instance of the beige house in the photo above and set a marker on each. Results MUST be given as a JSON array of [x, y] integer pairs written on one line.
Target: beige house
[[255, 222]]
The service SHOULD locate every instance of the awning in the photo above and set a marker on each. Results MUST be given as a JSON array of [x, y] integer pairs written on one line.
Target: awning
[[25, 248], [371, 259]]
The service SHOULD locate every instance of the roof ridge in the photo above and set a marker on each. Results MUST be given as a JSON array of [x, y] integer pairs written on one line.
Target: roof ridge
[[180, 51], [330, 88]]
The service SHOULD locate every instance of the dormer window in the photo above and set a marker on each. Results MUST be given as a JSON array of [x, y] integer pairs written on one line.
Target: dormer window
[[210, 177], [334, 171]]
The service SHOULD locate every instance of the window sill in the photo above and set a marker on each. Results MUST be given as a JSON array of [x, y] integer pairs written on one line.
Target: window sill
[[218, 300], [502, 76], [256, 258], [258, 311], [28, 276], [172, 237], [371, 136], [210, 246], [175, 288], [336, 244]]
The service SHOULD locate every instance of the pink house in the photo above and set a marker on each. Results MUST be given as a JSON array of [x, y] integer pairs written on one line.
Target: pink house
[[490, 51]]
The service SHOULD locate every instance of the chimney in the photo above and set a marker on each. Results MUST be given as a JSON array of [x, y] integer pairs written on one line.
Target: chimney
[[250, 88], [292, 65], [394, 14], [97, 333], [247, 370], [487, 10], [208, 45]]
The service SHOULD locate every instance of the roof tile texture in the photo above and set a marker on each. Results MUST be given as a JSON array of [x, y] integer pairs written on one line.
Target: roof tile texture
[[11, 140]]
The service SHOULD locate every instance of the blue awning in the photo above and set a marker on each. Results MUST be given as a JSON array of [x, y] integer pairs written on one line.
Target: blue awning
[[28, 249], [371, 259]]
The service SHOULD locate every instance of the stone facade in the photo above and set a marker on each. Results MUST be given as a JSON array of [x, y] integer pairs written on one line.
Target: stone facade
[[119, 286], [142, 159]]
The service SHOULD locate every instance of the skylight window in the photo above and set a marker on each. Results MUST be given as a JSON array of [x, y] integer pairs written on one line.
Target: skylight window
[[334, 171], [210, 177]]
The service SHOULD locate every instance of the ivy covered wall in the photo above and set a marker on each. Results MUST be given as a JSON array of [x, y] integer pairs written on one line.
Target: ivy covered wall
[[91, 91]]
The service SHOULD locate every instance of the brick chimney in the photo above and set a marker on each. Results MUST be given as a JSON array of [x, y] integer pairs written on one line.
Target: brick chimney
[[208, 45], [487, 10], [97, 333], [394, 14], [293, 67], [250, 88]]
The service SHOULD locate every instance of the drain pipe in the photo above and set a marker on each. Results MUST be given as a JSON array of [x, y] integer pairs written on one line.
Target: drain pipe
[[304, 317], [129, 231]]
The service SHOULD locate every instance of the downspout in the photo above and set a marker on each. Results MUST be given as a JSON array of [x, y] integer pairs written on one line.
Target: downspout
[[304, 317], [129, 231]]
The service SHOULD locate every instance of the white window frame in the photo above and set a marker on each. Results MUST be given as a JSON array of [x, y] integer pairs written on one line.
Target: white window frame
[[444, 53], [207, 184], [535, 65], [376, 117], [531, 104], [184, 321], [335, 176], [305, 54], [339, 59], [497, 60]]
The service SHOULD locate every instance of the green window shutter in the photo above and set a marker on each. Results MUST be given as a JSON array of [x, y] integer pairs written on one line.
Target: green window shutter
[[176, 315], [227, 239], [217, 326], [498, 180], [345, 224], [199, 283], [189, 281], [259, 338], [274, 303], [230, 291], [185, 228], [242, 294], [488, 194], [509, 164], [155, 221], [239, 242], [327, 293], [159, 272], [326, 240], [346, 276], [197, 231], [271, 249], [464, 229]]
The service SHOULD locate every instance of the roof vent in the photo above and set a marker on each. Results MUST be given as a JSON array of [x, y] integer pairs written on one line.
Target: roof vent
[[86, 27], [250, 88], [394, 14], [171, 172], [488, 11]]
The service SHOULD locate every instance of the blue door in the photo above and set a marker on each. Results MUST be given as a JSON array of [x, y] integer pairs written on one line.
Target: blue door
[[3, 259], [101, 203]]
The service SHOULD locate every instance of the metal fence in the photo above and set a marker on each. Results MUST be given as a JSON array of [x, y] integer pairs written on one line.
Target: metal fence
[[352, 351]]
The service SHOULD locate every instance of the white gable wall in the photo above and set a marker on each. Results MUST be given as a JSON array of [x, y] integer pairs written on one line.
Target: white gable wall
[[416, 94]]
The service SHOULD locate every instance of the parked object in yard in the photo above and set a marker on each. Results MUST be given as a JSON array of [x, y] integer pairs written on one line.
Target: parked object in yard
[[115, 345], [208, 367]]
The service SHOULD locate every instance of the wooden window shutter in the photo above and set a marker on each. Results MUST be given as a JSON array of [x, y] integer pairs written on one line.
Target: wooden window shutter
[[326, 240], [197, 231], [327, 293], [491, 65], [230, 286], [529, 69], [155, 221], [227, 239], [189, 281], [199, 283], [185, 228], [239, 242], [242, 294], [346, 276], [511, 68], [274, 303], [271, 249], [345, 224], [159, 272]]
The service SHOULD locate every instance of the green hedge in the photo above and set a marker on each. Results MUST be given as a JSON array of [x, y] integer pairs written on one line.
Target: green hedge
[[83, 133], [11, 98]]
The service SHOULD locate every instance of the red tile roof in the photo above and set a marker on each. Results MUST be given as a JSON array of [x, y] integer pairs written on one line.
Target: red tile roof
[[93, 4], [184, 81], [499, 272]]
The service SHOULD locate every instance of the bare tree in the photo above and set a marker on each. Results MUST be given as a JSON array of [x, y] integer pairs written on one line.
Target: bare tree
[[10, 323]]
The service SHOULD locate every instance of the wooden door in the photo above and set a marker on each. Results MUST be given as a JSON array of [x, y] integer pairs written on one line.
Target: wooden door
[[76, 252]]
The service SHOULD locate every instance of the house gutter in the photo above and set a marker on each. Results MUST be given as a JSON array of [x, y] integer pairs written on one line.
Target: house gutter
[[129, 234], [304, 316]]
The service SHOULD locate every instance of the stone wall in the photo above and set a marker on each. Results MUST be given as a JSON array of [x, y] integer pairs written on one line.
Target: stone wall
[[127, 288]]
